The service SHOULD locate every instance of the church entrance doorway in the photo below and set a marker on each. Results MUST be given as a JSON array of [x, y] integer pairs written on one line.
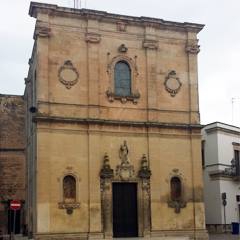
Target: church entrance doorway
[[125, 210]]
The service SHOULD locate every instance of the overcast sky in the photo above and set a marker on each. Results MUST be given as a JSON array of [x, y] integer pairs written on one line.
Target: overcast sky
[[219, 59]]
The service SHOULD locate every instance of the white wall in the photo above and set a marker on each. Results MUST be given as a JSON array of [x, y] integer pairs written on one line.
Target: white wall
[[219, 150], [232, 189], [212, 200]]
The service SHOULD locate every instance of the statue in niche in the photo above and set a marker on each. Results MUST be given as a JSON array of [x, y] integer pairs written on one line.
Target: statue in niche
[[69, 189], [123, 153]]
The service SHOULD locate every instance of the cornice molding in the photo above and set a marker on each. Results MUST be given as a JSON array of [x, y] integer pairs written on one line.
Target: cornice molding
[[41, 118], [222, 129], [35, 8]]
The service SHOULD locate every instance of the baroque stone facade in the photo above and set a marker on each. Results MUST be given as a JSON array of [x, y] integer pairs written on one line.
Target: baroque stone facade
[[12, 160], [113, 108]]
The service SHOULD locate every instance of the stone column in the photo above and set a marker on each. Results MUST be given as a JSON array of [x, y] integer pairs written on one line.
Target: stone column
[[144, 174], [106, 175], [146, 207]]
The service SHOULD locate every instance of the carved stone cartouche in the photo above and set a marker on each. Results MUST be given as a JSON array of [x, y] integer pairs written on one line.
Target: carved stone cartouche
[[172, 83], [68, 74]]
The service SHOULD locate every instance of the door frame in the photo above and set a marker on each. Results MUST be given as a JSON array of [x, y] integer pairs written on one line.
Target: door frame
[[143, 205]]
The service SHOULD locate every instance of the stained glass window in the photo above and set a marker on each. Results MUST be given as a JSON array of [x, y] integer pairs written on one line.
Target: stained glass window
[[122, 79]]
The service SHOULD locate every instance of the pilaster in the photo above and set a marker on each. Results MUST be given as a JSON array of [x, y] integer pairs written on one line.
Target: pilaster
[[150, 44], [41, 35], [93, 39], [192, 49]]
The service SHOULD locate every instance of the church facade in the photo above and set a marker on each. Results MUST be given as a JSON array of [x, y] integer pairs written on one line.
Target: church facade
[[113, 129]]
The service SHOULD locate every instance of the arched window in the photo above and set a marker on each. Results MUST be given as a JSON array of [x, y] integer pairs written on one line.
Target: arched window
[[176, 189], [122, 79], [69, 189]]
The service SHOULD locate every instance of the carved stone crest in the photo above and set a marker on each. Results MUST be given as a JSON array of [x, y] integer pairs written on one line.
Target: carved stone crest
[[172, 83], [124, 170], [68, 74]]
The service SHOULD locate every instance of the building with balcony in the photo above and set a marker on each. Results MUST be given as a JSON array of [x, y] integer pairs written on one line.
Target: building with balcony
[[220, 156]]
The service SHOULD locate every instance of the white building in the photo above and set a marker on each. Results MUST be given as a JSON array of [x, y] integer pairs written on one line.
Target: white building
[[220, 155]]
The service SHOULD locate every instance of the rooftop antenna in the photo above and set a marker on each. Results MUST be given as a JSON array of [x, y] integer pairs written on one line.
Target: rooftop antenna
[[77, 4]]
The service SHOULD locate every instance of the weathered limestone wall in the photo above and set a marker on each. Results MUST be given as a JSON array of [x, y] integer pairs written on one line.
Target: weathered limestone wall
[[78, 118]]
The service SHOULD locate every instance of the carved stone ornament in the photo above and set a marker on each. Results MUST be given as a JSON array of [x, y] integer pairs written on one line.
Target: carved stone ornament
[[68, 74], [124, 170], [42, 31], [106, 171], [144, 172], [177, 205], [122, 48], [68, 206], [93, 37], [134, 97], [172, 83], [121, 26], [150, 44], [193, 47]]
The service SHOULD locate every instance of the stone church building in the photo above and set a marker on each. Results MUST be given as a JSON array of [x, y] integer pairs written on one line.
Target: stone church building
[[112, 124]]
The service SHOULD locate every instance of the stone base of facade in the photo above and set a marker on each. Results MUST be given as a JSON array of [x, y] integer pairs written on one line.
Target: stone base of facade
[[68, 236], [189, 235], [156, 235], [219, 228]]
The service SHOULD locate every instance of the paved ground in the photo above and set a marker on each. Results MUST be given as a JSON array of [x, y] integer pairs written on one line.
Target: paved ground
[[224, 237], [212, 237]]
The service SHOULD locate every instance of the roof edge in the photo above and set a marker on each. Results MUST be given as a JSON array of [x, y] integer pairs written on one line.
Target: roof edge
[[36, 6]]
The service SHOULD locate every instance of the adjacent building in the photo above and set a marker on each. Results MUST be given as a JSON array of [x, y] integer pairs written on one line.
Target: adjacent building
[[12, 162], [221, 152]]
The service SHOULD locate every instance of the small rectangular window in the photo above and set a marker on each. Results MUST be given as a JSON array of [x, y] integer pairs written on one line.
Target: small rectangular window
[[237, 162]]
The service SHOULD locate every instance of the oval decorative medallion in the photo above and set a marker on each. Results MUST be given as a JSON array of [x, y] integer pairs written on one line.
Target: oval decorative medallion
[[172, 83], [68, 74]]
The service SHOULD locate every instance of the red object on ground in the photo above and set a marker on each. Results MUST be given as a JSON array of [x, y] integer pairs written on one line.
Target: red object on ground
[[15, 205]]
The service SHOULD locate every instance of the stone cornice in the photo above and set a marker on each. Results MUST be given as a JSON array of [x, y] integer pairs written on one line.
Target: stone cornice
[[222, 129], [41, 118], [94, 14]]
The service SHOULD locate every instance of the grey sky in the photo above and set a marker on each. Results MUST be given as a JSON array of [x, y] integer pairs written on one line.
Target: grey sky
[[218, 60]]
